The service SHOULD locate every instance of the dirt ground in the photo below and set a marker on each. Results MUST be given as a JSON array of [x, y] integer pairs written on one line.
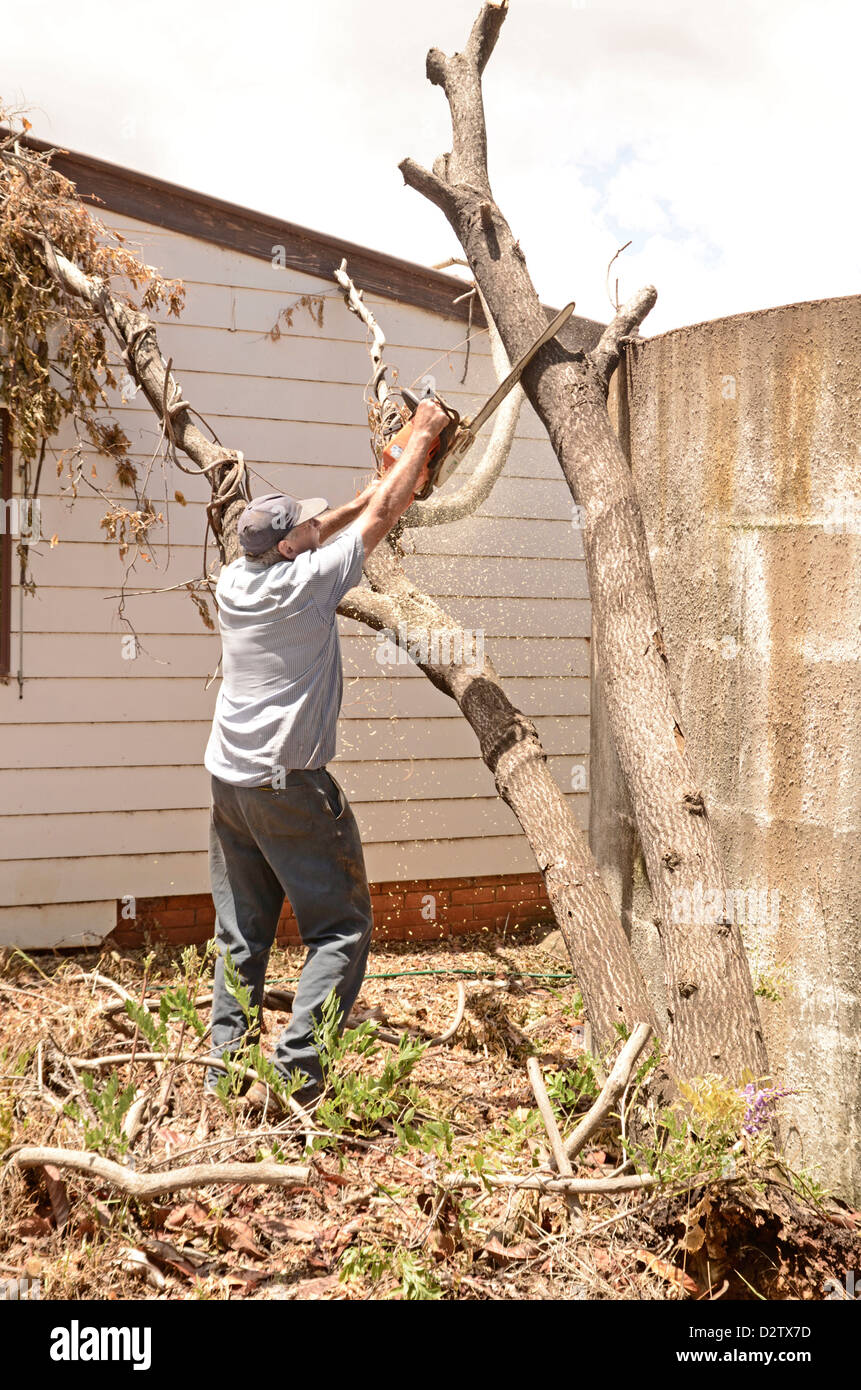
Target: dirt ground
[[376, 1215]]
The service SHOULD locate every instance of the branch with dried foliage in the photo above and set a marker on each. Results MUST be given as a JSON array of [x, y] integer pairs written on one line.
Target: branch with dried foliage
[[70, 269], [715, 1023]]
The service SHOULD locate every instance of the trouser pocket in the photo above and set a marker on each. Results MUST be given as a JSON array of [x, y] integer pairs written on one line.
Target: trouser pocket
[[332, 798]]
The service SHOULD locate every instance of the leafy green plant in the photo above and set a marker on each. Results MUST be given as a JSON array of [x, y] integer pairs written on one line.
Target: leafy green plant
[[648, 1064], [358, 1100], [806, 1185], [415, 1281], [692, 1137], [176, 1005], [108, 1104], [434, 1136], [568, 1087], [249, 1057]]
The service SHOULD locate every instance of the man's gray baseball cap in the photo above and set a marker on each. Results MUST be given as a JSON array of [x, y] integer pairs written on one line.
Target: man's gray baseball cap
[[266, 520]]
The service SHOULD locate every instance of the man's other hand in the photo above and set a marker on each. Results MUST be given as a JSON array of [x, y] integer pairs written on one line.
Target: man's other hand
[[430, 419]]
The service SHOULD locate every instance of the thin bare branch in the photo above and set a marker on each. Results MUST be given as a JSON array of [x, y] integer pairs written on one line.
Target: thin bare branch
[[355, 303], [611, 1091], [437, 510], [535, 1182], [545, 1109]]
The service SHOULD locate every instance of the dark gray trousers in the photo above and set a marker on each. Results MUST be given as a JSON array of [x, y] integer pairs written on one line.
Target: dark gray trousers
[[301, 840]]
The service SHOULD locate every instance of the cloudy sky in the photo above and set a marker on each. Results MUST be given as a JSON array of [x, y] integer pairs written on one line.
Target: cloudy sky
[[721, 139]]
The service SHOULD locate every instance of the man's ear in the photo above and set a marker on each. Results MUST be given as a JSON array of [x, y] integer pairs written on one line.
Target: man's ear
[[286, 549]]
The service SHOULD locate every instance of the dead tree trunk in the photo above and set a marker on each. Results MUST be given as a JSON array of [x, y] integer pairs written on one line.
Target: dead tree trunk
[[715, 1023]]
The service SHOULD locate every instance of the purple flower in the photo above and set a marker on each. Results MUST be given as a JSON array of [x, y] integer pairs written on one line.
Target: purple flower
[[760, 1105]]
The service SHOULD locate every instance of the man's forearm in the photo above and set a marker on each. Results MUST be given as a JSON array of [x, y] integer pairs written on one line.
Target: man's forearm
[[392, 494], [395, 491], [339, 517]]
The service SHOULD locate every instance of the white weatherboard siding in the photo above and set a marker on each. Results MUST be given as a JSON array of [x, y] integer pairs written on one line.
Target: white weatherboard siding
[[102, 789]]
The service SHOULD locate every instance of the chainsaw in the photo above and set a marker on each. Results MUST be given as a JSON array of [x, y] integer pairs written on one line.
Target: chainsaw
[[459, 435]]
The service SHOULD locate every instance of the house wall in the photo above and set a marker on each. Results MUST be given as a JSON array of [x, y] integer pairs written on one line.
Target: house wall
[[102, 789]]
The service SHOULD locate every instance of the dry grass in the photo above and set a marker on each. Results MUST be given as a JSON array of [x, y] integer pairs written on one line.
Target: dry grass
[[371, 1206]]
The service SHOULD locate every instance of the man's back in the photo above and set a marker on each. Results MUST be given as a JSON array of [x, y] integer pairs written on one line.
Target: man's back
[[278, 706]]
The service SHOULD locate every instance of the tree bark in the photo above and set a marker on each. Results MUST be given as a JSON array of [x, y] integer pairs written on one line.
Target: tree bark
[[714, 1020]]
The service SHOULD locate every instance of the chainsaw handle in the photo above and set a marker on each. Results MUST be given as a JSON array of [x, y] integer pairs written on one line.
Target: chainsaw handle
[[413, 400], [438, 449]]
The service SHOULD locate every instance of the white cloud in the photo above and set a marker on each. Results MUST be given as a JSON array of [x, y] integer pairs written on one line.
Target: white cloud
[[719, 138]]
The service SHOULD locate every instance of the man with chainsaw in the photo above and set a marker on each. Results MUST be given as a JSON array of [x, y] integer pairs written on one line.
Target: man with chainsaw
[[280, 824]]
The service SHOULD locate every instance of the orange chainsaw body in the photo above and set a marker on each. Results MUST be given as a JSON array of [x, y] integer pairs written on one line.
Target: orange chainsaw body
[[437, 454], [398, 443], [446, 452]]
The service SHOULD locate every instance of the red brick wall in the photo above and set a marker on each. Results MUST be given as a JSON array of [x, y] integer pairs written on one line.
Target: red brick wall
[[462, 905]]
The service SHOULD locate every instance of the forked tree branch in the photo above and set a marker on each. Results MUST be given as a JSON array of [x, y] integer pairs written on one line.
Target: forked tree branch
[[460, 78], [610, 1091]]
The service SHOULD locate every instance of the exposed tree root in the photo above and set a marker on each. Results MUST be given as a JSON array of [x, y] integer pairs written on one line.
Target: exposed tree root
[[768, 1244]]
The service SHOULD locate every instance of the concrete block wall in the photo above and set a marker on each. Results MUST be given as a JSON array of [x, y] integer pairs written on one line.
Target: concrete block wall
[[743, 439]]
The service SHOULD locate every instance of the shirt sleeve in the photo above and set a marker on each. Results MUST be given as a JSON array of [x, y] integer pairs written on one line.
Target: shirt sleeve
[[335, 568]]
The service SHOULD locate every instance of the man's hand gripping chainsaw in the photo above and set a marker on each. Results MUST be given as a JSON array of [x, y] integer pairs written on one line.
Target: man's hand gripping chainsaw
[[459, 435]]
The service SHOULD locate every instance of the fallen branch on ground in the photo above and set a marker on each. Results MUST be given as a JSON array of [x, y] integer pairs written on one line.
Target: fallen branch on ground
[[95, 978], [147, 1186], [116, 1059], [456, 1021], [535, 1182]]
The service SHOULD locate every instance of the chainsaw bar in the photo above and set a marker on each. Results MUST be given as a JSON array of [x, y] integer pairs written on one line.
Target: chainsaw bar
[[502, 390], [458, 439], [460, 434]]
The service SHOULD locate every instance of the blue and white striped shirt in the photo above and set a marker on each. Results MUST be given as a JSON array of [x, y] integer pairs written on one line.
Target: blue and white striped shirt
[[277, 709]]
